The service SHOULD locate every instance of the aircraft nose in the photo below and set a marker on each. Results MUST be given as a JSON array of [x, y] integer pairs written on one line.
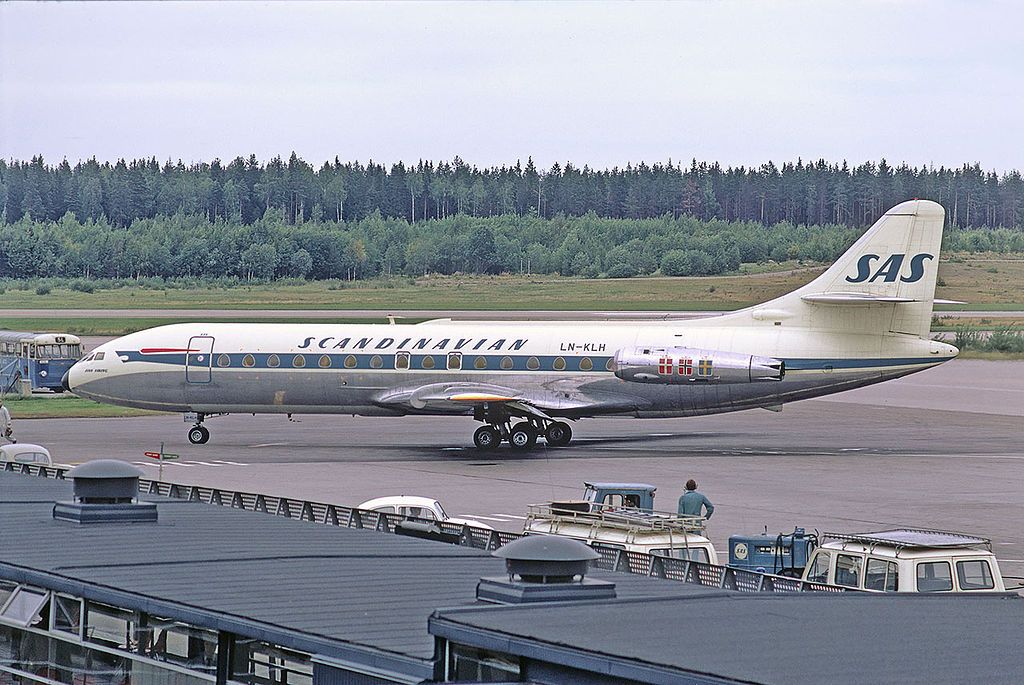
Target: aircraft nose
[[64, 382]]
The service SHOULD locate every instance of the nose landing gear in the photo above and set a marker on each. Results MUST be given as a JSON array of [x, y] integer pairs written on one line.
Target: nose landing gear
[[198, 434]]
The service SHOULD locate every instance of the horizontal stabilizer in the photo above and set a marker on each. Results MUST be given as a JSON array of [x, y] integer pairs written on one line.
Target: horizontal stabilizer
[[949, 302], [854, 298]]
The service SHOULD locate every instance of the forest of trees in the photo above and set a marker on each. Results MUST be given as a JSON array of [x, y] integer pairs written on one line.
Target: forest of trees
[[190, 246], [249, 221], [242, 190]]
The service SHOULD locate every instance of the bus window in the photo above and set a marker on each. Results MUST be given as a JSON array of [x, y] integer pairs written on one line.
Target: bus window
[[848, 570]]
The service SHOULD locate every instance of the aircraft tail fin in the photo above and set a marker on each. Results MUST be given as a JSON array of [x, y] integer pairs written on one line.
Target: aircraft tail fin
[[885, 282]]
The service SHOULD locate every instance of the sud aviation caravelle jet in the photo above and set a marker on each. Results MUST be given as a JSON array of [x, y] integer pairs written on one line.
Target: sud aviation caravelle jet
[[864, 320]]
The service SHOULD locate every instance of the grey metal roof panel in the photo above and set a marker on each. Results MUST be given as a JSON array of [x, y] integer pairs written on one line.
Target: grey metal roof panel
[[339, 584], [775, 638]]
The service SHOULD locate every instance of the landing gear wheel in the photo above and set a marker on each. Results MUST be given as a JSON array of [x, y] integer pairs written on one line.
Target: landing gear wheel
[[558, 434], [523, 436], [487, 437], [198, 435]]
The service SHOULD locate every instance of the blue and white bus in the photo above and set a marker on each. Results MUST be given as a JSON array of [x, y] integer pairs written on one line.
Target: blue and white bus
[[40, 358]]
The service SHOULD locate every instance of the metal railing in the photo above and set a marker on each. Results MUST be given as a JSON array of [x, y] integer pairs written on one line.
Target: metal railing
[[611, 559]]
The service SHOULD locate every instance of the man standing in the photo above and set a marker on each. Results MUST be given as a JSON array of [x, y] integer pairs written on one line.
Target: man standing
[[6, 427], [691, 503]]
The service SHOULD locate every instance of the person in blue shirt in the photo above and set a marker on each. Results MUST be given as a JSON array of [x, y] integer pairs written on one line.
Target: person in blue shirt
[[691, 503]]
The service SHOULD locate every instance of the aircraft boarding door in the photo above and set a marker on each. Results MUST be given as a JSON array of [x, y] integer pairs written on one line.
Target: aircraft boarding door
[[199, 359]]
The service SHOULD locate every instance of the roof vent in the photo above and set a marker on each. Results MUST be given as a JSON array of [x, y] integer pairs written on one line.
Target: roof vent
[[106, 491], [544, 568]]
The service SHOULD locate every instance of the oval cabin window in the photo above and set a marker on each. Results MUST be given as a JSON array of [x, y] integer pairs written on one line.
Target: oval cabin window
[[298, 361], [351, 362], [273, 361], [610, 364], [428, 362], [480, 363], [376, 362], [223, 360], [586, 364], [324, 362], [248, 361], [533, 363], [558, 364], [507, 363]]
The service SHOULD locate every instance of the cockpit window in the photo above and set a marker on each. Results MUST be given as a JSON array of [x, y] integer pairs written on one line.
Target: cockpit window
[[99, 356]]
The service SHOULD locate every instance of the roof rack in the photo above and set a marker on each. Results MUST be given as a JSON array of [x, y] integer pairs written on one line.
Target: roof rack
[[907, 538]]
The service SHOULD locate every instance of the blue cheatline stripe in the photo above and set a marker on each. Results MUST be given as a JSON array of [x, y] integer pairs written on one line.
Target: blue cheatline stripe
[[364, 361], [491, 362]]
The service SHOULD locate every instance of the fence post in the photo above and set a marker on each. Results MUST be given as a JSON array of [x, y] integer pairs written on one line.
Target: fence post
[[283, 506]]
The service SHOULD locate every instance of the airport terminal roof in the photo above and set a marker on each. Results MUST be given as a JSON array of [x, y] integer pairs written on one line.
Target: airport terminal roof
[[354, 595], [763, 638]]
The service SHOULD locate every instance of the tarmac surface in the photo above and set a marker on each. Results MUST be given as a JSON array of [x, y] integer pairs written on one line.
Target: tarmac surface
[[940, 449]]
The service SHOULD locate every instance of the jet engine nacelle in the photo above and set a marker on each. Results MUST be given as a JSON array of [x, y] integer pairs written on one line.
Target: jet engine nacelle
[[678, 365]]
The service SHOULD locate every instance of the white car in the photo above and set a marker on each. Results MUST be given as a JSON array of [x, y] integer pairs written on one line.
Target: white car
[[419, 507], [25, 453]]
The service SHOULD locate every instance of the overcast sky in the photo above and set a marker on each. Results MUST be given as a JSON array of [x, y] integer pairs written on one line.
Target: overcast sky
[[595, 83]]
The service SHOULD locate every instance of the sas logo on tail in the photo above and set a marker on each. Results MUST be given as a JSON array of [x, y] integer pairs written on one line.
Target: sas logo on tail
[[890, 270]]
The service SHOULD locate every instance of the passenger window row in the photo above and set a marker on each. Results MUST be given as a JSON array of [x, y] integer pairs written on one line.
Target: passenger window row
[[403, 360]]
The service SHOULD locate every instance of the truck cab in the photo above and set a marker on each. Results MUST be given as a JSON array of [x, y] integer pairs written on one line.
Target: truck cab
[[906, 560], [621, 495]]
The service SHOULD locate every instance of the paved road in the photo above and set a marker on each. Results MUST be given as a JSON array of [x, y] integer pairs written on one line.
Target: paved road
[[944, 448]]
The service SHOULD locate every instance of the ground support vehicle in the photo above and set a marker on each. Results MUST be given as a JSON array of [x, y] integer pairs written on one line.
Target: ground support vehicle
[[782, 554], [36, 361], [654, 533], [906, 560]]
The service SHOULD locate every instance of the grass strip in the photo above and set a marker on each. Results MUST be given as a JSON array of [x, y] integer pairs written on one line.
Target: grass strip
[[66, 407]]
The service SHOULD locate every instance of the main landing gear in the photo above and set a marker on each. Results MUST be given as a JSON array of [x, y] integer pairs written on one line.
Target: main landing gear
[[522, 435]]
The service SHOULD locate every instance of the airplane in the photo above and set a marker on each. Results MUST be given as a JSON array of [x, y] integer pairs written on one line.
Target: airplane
[[866, 319]]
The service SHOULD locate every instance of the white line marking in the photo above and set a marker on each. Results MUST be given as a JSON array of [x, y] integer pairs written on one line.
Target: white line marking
[[204, 463], [661, 435], [452, 449], [511, 516], [478, 516], [851, 449], [271, 444], [232, 463]]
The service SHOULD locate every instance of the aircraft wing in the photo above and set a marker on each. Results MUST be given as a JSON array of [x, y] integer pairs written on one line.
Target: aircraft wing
[[539, 401]]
